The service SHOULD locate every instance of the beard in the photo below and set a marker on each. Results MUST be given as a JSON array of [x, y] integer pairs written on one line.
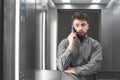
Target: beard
[[81, 35]]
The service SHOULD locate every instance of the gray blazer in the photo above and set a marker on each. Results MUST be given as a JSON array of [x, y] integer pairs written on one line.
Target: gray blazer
[[86, 59]]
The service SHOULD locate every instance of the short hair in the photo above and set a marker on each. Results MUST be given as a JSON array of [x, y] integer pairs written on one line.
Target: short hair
[[80, 16]]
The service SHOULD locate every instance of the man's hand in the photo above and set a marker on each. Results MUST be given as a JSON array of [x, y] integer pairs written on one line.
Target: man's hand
[[70, 70], [71, 40]]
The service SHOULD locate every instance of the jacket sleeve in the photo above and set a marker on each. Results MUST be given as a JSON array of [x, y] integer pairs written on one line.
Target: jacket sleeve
[[94, 64], [63, 56]]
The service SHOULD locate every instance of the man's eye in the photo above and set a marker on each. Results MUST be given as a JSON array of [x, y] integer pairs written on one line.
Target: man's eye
[[77, 25], [83, 24]]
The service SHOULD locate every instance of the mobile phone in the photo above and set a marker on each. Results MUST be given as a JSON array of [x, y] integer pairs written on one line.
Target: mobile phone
[[72, 29]]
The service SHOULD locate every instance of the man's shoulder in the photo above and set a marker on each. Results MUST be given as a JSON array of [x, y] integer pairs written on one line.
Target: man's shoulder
[[94, 41], [64, 41]]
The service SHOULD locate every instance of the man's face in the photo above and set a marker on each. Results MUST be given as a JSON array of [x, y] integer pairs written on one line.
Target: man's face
[[81, 27]]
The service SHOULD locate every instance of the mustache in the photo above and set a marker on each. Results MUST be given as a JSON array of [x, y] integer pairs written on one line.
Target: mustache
[[81, 32]]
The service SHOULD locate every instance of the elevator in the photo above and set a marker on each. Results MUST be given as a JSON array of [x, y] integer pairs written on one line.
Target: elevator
[[32, 29]]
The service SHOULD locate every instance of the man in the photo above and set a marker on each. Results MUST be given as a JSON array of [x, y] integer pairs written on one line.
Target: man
[[79, 56]]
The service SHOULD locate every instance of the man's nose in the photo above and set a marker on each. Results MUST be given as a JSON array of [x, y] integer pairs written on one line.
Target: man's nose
[[80, 28]]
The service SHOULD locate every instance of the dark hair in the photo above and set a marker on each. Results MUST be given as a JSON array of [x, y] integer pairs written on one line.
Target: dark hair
[[80, 16]]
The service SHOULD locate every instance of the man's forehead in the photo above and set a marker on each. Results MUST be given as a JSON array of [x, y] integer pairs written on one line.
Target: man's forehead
[[80, 21]]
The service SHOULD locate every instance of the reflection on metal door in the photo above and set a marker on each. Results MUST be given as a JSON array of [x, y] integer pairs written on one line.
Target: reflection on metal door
[[30, 37], [25, 24]]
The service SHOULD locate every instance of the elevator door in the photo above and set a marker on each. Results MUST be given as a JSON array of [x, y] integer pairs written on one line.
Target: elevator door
[[27, 40], [32, 21]]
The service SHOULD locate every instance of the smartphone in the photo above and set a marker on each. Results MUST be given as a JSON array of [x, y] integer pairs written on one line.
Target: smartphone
[[72, 29]]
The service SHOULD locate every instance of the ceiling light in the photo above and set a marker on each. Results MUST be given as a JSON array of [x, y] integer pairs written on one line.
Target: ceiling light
[[65, 1], [94, 6], [67, 6], [96, 1]]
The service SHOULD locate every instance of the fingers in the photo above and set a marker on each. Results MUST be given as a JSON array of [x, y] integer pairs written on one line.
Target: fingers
[[70, 70], [71, 41], [73, 35], [67, 71]]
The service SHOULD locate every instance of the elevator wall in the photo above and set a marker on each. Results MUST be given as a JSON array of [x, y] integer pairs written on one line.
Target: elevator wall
[[110, 36], [51, 38], [27, 49], [65, 23], [9, 39], [110, 40], [1, 39]]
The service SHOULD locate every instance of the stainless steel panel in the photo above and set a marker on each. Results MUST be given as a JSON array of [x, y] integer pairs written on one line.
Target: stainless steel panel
[[9, 39], [1, 40], [51, 39], [38, 46], [27, 40], [106, 38], [41, 24], [32, 38], [110, 36], [49, 75], [116, 40]]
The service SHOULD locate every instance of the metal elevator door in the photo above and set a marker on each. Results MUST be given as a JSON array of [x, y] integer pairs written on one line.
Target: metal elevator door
[[25, 25], [31, 35]]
